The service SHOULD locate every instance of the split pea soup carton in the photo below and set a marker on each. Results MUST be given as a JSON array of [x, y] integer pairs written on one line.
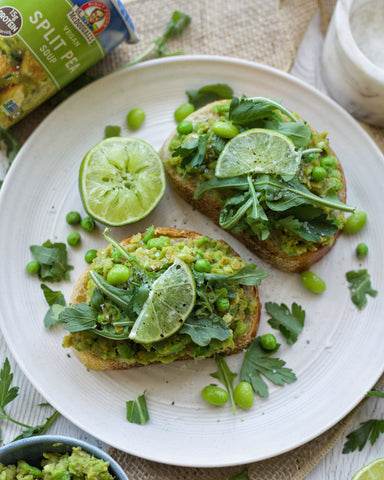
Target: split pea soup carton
[[45, 44]]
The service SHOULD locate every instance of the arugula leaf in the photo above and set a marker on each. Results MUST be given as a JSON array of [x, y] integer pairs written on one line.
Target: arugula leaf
[[52, 316], [289, 323], [312, 231], [375, 393], [53, 261], [137, 411], [119, 296], [179, 21], [360, 287], [243, 475], [203, 330], [239, 182], [248, 275], [8, 394], [208, 94], [257, 362], [369, 430], [226, 377], [297, 131], [52, 297], [78, 318]]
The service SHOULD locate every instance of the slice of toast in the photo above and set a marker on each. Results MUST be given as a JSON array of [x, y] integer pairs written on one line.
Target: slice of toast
[[97, 362], [210, 204]]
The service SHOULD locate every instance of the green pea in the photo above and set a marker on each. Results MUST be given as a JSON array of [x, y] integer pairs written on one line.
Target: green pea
[[74, 239], [116, 256], [33, 267], [158, 242], [355, 222], [268, 341], [312, 282], [173, 145], [310, 157], [335, 173], [329, 162], [318, 174], [222, 304], [362, 250], [90, 255], [214, 395], [243, 395], [184, 127], [135, 118], [183, 111], [88, 224], [149, 234], [73, 218], [225, 129], [202, 265], [112, 131], [200, 241], [118, 274]]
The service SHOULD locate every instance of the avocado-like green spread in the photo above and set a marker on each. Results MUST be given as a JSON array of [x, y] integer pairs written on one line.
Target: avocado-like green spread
[[77, 465], [222, 261], [204, 170]]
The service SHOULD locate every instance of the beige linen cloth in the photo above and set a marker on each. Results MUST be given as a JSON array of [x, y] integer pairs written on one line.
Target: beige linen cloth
[[264, 31]]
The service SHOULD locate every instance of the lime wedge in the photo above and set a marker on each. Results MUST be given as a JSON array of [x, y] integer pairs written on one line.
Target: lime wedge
[[170, 301], [121, 180], [258, 150], [372, 471]]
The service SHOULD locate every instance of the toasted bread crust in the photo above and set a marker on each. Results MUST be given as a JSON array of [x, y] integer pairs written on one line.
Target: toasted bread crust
[[267, 250], [79, 294]]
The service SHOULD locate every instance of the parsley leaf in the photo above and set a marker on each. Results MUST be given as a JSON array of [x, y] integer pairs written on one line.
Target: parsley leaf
[[203, 330], [38, 429], [369, 430], [257, 362], [226, 377], [209, 94], [53, 261], [360, 287], [137, 411], [375, 393], [243, 475], [289, 323]]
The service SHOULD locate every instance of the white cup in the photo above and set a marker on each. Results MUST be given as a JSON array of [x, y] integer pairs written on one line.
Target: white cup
[[353, 58]]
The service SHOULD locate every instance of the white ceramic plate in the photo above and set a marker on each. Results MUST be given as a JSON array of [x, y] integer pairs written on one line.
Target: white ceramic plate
[[339, 354]]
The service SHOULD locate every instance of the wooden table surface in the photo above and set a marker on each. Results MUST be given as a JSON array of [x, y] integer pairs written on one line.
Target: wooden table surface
[[334, 465]]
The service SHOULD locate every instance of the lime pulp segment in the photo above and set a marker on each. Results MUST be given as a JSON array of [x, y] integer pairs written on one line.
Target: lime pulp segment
[[258, 150], [168, 305], [121, 180], [372, 471]]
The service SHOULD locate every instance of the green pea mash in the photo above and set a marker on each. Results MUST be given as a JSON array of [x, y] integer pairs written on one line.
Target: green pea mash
[[78, 465]]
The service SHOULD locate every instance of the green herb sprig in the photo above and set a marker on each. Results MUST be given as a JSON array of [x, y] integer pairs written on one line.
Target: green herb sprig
[[137, 411], [360, 287]]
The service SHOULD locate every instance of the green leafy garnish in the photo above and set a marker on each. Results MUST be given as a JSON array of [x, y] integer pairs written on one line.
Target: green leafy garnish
[[7, 395], [247, 111], [257, 362], [297, 131], [174, 27], [209, 94], [369, 430], [137, 411], [203, 330], [375, 393], [360, 287], [226, 377], [56, 301], [243, 475], [53, 261], [289, 323]]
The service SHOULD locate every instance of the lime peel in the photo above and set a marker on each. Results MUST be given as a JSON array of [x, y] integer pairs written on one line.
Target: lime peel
[[373, 471]]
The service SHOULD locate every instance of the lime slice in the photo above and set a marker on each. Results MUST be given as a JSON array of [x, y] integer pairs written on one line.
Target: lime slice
[[121, 180], [372, 471], [258, 150], [170, 301]]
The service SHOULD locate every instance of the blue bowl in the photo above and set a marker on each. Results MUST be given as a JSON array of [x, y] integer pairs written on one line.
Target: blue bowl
[[31, 450]]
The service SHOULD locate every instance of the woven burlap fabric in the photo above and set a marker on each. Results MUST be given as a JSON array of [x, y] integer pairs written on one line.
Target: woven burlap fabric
[[264, 31]]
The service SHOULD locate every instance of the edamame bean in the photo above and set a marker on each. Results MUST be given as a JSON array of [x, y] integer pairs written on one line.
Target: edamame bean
[[112, 131], [243, 395], [362, 250], [158, 242], [225, 129], [329, 162], [202, 265], [74, 239], [135, 118], [73, 218], [268, 341], [88, 224], [312, 282], [183, 111], [33, 267], [318, 174], [90, 255], [355, 222], [222, 304], [118, 274], [184, 127], [214, 395]]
